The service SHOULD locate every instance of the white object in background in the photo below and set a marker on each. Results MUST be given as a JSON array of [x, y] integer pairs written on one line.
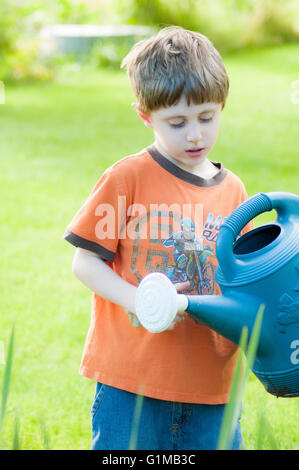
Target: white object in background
[[73, 38]]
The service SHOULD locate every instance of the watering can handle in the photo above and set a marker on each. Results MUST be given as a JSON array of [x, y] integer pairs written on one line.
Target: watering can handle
[[285, 204], [247, 211], [233, 225]]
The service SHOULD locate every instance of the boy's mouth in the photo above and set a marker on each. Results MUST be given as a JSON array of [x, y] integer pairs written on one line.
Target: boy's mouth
[[195, 152]]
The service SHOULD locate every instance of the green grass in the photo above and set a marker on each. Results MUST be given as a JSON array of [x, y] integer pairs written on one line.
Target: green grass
[[56, 139]]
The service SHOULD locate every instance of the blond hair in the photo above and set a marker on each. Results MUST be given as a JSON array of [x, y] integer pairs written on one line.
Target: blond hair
[[173, 63]]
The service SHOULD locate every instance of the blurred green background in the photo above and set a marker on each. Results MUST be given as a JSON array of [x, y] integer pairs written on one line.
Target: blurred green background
[[230, 24], [63, 120]]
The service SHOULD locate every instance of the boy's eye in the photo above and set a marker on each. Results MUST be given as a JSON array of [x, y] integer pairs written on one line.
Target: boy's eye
[[206, 119], [182, 123], [179, 124]]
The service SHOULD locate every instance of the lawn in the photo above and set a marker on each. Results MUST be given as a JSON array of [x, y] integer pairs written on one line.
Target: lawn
[[56, 140]]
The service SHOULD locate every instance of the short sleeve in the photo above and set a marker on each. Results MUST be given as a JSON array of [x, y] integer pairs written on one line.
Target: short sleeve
[[97, 224]]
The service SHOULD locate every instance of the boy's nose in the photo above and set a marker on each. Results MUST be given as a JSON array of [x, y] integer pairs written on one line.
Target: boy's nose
[[194, 134]]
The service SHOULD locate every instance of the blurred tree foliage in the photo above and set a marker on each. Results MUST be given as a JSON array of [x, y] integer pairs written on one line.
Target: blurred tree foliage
[[20, 23], [230, 24]]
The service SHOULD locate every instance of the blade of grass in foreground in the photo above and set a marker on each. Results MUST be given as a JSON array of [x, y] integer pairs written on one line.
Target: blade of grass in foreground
[[6, 379], [135, 424], [45, 435], [16, 440], [253, 343], [233, 408], [264, 437]]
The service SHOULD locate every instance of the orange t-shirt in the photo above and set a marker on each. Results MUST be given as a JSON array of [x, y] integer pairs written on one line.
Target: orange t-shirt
[[145, 214]]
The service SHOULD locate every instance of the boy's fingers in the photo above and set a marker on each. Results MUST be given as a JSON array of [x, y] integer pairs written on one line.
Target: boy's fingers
[[179, 317], [182, 286]]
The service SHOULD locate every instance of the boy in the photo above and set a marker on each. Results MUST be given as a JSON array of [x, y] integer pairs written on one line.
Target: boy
[[183, 374]]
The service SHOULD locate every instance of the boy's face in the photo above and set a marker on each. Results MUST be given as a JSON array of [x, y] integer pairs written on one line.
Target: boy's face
[[185, 133]]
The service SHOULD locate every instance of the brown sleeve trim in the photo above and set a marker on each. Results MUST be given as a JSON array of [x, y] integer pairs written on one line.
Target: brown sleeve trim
[[80, 242]]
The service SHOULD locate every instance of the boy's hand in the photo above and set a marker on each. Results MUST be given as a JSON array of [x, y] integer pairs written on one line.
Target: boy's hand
[[179, 317], [180, 286]]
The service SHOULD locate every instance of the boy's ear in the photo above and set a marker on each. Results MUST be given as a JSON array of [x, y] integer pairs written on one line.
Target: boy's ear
[[143, 117]]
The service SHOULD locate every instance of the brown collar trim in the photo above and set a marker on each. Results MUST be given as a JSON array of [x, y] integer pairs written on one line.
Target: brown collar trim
[[185, 175]]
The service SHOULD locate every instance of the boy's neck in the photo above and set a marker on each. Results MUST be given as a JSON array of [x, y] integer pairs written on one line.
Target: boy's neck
[[205, 169]]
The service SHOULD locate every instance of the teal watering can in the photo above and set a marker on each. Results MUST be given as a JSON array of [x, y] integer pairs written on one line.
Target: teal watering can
[[258, 268]]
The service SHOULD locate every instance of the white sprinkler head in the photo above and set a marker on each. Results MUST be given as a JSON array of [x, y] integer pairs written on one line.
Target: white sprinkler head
[[157, 302]]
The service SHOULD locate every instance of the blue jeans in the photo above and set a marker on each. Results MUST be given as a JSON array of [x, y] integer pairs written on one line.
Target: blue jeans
[[120, 422]]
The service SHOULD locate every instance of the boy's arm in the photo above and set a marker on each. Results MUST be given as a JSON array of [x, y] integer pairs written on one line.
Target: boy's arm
[[94, 273]]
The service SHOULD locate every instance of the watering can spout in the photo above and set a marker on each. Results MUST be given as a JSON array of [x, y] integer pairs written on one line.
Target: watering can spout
[[226, 315]]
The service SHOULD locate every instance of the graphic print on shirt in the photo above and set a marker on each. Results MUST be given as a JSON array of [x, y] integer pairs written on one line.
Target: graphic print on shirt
[[191, 263], [175, 248]]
